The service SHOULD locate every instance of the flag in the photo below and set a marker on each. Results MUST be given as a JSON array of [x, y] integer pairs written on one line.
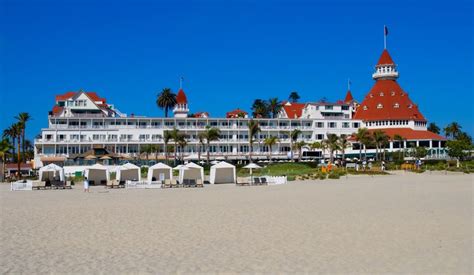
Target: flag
[[385, 30]]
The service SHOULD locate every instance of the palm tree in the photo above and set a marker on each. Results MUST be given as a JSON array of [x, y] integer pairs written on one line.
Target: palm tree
[[332, 142], [147, 149], [294, 138], [260, 108], [380, 139], [294, 97], [361, 136], [5, 147], [452, 130], [254, 129], [23, 118], [17, 130], [343, 143], [274, 106], [166, 139], [11, 134], [201, 137], [299, 146], [182, 142], [432, 127], [270, 141], [399, 139], [211, 134], [166, 100], [175, 135]]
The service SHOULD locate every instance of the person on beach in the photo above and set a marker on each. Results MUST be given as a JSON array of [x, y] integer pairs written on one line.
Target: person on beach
[[86, 185]]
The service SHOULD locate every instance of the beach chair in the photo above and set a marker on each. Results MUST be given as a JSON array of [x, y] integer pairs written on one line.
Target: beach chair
[[166, 184], [263, 181], [174, 183], [37, 184], [256, 181], [68, 185], [199, 183], [192, 183]]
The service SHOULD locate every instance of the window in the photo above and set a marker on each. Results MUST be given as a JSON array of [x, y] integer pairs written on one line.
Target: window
[[396, 105], [392, 93], [371, 95], [345, 108], [345, 125], [355, 125], [365, 108], [381, 94], [332, 124], [319, 136], [410, 106], [320, 124], [379, 106]]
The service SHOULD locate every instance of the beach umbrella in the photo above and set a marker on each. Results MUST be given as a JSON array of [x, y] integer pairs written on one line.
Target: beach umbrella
[[90, 157], [252, 166], [105, 157]]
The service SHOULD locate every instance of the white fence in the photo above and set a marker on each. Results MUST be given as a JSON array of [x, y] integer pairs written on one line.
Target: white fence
[[142, 184], [276, 180], [22, 186]]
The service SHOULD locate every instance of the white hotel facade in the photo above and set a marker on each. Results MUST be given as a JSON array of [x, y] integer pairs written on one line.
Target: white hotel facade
[[80, 121]]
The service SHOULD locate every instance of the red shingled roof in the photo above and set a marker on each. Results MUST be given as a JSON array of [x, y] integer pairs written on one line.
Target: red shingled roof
[[92, 95], [394, 101], [57, 110], [295, 110], [235, 113], [410, 134], [181, 97], [349, 97], [201, 114], [385, 58], [65, 96]]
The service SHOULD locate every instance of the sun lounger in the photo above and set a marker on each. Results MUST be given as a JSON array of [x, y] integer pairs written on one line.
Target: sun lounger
[[256, 181], [199, 183], [166, 184], [37, 184], [192, 183], [263, 181], [174, 183]]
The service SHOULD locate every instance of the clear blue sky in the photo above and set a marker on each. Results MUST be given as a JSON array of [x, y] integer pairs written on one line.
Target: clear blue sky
[[231, 52]]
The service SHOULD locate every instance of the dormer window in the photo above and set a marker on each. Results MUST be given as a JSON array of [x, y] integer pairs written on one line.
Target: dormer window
[[365, 108], [396, 105], [393, 93], [410, 106], [379, 106], [371, 95], [381, 94]]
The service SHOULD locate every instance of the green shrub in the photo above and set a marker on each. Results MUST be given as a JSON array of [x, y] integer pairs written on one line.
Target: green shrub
[[333, 176], [290, 178]]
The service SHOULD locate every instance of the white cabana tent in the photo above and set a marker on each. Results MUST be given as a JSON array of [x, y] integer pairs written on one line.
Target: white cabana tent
[[157, 169], [97, 173], [222, 172], [191, 171], [128, 171], [50, 172]]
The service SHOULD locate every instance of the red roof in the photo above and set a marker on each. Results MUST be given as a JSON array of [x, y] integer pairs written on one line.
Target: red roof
[[181, 97], [385, 58], [349, 97], [387, 101], [92, 95], [235, 113], [410, 134], [15, 166], [294, 110], [201, 114], [57, 110]]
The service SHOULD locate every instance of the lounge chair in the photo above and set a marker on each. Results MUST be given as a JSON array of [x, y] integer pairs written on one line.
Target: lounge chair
[[47, 184], [192, 183], [166, 184], [263, 180], [174, 183], [37, 184], [256, 181], [68, 185], [199, 183]]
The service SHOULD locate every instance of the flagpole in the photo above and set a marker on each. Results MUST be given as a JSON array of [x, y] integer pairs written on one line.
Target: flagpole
[[384, 38]]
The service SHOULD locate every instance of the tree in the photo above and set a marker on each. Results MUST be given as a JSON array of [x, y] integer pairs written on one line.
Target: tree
[[270, 141], [332, 142], [147, 149], [175, 136], [315, 145], [274, 106], [23, 118], [299, 147], [380, 139], [260, 109], [166, 139], [361, 136], [432, 127], [452, 130], [210, 134], [11, 134], [253, 129], [201, 137], [294, 97], [166, 100], [294, 135], [17, 130], [399, 139], [5, 147], [182, 142], [458, 149], [420, 152], [343, 143]]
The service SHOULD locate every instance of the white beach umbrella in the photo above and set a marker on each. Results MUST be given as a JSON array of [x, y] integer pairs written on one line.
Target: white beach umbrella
[[252, 166]]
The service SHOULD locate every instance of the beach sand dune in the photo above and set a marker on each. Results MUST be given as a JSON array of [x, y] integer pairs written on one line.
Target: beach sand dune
[[419, 223]]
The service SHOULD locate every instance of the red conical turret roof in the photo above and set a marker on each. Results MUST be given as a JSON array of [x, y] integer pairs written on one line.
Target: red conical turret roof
[[181, 97], [349, 97], [385, 59]]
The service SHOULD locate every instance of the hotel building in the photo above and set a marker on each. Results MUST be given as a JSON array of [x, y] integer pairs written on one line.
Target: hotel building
[[81, 121]]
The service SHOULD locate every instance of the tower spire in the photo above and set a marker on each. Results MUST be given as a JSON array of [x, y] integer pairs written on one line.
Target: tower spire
[[181, 82], [348, 84], [385, 33]]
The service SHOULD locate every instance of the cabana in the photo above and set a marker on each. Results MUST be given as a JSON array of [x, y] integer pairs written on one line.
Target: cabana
[[192, 171], [155, 172], [51, 172], [97, 174], [128, 171], [223, 172]]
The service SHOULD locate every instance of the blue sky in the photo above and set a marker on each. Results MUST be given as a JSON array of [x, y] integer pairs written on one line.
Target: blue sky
[[231, 52]]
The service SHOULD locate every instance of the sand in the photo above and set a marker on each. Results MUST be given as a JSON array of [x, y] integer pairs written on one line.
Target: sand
[[418, 223]]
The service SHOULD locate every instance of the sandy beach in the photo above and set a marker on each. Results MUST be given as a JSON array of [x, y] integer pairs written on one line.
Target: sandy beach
[[418, 223]]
